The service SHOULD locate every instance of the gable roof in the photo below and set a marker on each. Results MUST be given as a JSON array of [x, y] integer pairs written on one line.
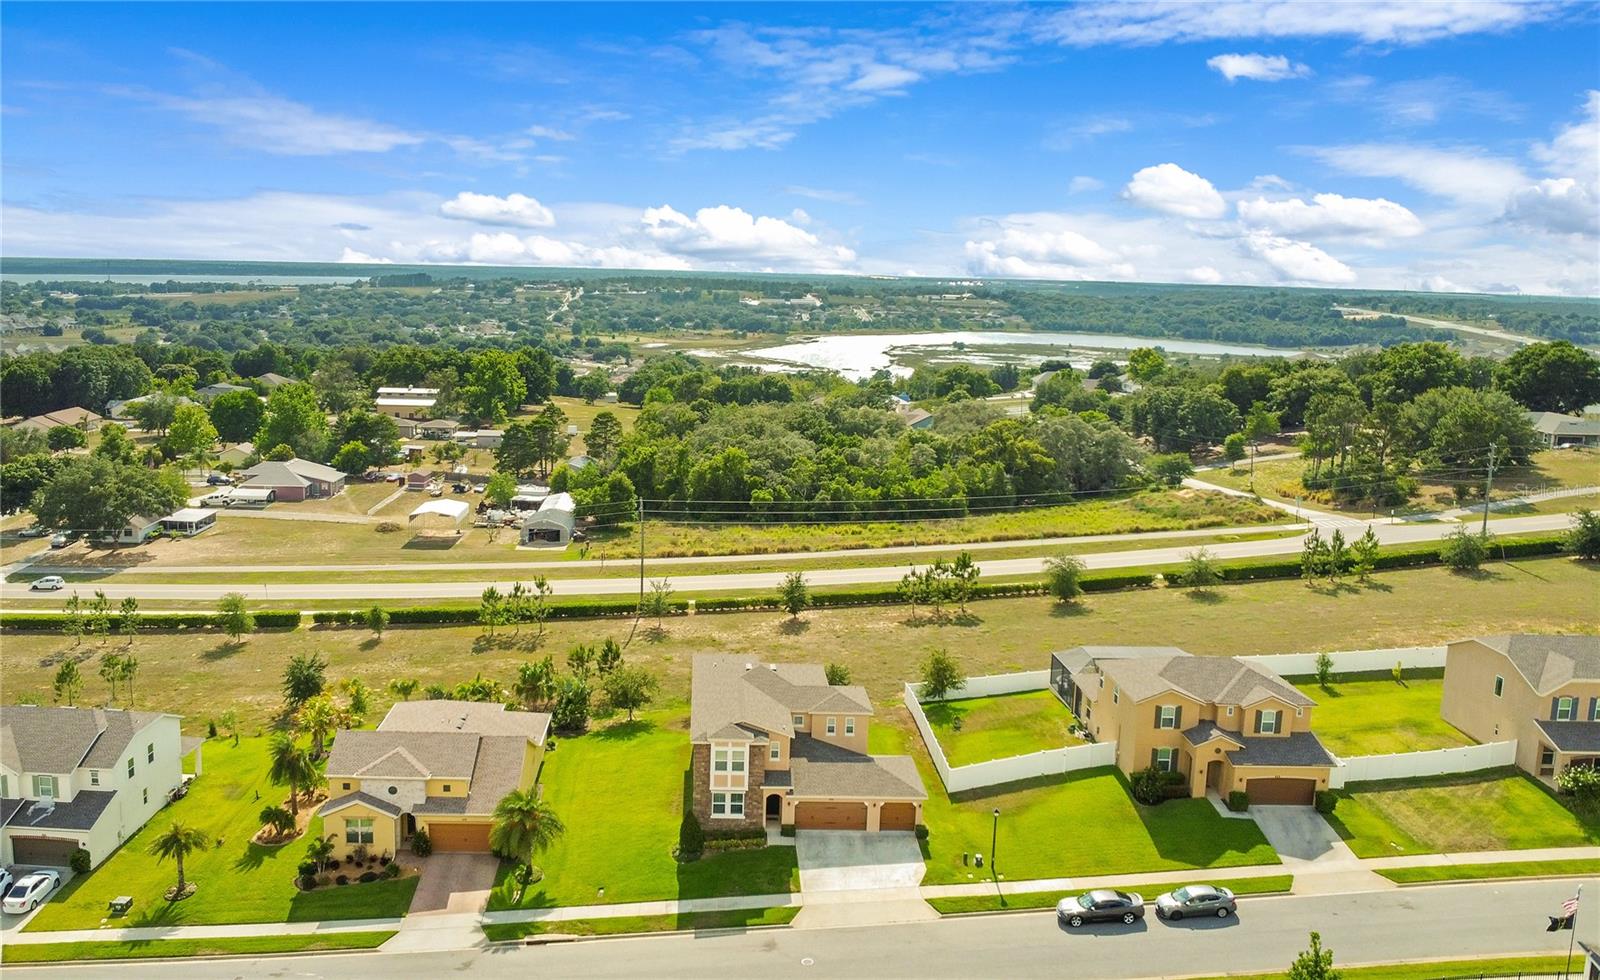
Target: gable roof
[[737, 698], [59, 740], [403, 755], [1078, 658], [272, 473], [479, 717], [1556, 424], [273, 379], [313, 471], [817, 768], [1144, 672], [365, 799], [1548, 662]]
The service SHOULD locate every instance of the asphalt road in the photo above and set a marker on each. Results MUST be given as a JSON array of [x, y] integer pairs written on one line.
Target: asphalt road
[[114, 589], [1449, 921]]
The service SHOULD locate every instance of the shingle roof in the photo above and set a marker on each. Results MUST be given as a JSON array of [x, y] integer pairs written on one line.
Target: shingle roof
[[1079, 657], [80, 813], [1294, 749], [736, 697], [59, 740], [818, 768], [1571, 736], [367, 799], [479, 717], [403, 754], [314, 471], [1205, 731], [1548, 662], [1556, 424], [1210, 680], [273, 473], [497, 772]]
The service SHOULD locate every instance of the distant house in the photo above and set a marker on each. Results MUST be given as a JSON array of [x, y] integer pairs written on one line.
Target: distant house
[[137, 531], [439, 766], [189, 521], [479, 438], [579, 462], [124, 409], [405, 407], [1543, 691], [272, 380], [437, 428], [77, 418], [408, 393], [1554, 429], [238, 454], [86, 778], [421, 480], [552, 523], [294, 479], [211, 393]]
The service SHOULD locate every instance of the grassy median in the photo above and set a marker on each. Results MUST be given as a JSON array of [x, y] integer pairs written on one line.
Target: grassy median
[[185, 948]]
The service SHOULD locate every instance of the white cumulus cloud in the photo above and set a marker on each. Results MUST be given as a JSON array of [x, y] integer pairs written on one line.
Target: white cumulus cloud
[[1170, 188], [1333, 214], [1297, 260], [1257, 67], [729, 234], [517, 210], [1561, 205]]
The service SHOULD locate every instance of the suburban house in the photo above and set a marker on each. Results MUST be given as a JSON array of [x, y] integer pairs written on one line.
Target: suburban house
[[551, 523], [408, 393], [77, 418], [188, 521], [421, 480], [294, 479], [776, 742], [405, 406], [124, 408], [81, 777], [441, 766], [211, 393], [1226, 724], [1543, 691], [1554, 429], [479, 438], [237, 455], [138, 530], [272, 379]]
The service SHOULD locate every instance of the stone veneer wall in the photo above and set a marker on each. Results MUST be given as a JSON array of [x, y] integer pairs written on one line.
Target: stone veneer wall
[[754, 798]]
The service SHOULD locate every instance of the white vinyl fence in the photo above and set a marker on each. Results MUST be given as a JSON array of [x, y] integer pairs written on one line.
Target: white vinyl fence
[[1408, 765], [1049, 762], [1352, 661]]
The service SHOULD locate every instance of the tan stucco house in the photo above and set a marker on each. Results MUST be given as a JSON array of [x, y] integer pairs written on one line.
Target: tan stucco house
[[1226, 724], [81, 777], [1543, 691], [776, 742], [435, 765]]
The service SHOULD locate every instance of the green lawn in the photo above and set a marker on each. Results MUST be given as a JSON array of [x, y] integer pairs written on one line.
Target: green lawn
[[158, 948], [1498, 810], [1498, 869], [1500, 967], [1000, 726], [1268, 885], [621, 790], [624, 924], [239, 881], [1377, 717]]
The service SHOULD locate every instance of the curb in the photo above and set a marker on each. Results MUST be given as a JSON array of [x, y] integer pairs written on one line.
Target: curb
[[558, 938], [1479, 881], [1047, 908], [208, 957]]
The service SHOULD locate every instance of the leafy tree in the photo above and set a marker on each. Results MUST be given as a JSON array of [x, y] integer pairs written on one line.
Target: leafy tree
[[1464, 550], [156, 412], [838, 674], [177, 842], [237, 415], [941, 675], [491, 609], [23, 477], [524, 826], [1315, 963], [304, 678], [72, 620], [360, 698], [793, 595], [1364, 555], [99, 619], [629, 689], [352, 457], [1338, 555], [609, 658], [1313, 556], [500, 489], [493, 387], [604, 437], [913, 590], [963, 579], [536, 682], [377, 434], [377, 620], [234, 618], [111, 672], [580, 660], [294, 418], [403, 687], [1583, 539], [1552, 377], [92, 494], [1233, 447], [115, 445], [1170, 469], [129, 618], [127, 669], [593, 386], [1146, 364], [1200, 570], [1063, 577], [68, 682], [1324, 671], [230, 721], [658, 601], [292, 766], [570, 711], [191, 433], [65, 437]]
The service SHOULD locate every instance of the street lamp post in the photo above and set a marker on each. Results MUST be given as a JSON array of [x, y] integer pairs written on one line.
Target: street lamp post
[[994, 839]]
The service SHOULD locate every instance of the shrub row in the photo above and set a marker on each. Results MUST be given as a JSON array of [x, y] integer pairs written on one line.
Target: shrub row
[[41, 622], [1407, 558]]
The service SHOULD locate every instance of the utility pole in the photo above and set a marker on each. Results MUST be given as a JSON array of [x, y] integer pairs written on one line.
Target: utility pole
[[640, 519], [1488, 484]]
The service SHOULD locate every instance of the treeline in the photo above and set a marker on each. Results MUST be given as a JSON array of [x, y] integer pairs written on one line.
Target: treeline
[[1575, 320]]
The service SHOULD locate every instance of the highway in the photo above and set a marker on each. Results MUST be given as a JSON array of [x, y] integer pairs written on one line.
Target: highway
[[877, 575], [1447, 921]]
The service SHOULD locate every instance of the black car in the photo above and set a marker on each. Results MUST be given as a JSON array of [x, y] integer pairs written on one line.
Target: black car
[[1100, 905]]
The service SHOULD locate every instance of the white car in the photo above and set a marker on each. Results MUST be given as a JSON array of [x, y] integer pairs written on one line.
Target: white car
[[49, 583], [5, 881], [30, 891]]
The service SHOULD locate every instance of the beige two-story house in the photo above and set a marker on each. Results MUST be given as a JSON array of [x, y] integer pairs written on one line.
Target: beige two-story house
[[776, 742], [81, 777], [1543, 691], [1225, 724], [439, 766]]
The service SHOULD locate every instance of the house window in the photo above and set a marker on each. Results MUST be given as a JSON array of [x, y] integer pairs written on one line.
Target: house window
[[44, 787], [130, 767], [1269, 722], [1230, 711], [5, 786], [346, 785], [393, 790], [1166, 759], [94, 777], [849, 726], [1168, 717], [1594, 709], [147, 796], [150, 752], [1499, 685], [1566, 709], [1116, 693], [832, 726], [775, 753], [358, 830], [799, 721], [728, 759], [447, 787], [727, 805]]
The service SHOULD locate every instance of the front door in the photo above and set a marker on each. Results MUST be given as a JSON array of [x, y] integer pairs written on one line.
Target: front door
[[1214, 774], [774, 806]]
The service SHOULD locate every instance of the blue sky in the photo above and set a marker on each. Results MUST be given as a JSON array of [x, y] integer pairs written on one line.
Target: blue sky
[[1448, 145]]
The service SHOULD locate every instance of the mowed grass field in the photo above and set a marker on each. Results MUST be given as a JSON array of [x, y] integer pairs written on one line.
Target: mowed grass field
[[1380, 716], [200, 673], [979, 729]]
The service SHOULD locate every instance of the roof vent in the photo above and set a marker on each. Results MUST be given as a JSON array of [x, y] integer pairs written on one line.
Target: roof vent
[[773, 668], [748, 665]]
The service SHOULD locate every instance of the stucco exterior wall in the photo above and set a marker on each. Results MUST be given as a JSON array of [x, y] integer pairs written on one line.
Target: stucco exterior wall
[[1470, 704], [385, 830], [856, 743]]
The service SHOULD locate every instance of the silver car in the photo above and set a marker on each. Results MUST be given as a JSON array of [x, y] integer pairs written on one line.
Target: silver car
[[1196, 900]]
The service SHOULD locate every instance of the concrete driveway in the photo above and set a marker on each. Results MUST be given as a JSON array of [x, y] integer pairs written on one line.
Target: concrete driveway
[[851, 860], [454, 883], [1313, 852]]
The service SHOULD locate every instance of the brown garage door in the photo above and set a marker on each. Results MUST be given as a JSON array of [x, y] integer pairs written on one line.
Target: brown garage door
[[831, 816], [459, 836], [50, 852], [898, 816], [1281, 790]]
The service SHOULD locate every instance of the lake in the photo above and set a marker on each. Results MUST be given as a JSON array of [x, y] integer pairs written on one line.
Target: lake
[[860, 355]]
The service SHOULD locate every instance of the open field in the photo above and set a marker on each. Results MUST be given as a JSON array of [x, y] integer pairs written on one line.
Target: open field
[[1494, 810], [979, 729], [1498, 869], [622, 790], [1376, 717], [186, 948], [1265, 885], [625, 924], [238, 881], [882, 645]]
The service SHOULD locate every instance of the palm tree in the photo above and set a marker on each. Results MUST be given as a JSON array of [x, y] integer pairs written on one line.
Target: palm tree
[[536, 682], [178, 843], [292, 765], [524, 825], [320, 851], [318, 716], [230, 721], [403, 687]]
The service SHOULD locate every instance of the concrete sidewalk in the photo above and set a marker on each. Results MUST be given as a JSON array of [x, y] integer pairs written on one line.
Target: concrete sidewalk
[[238, 930], [670, 907]]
